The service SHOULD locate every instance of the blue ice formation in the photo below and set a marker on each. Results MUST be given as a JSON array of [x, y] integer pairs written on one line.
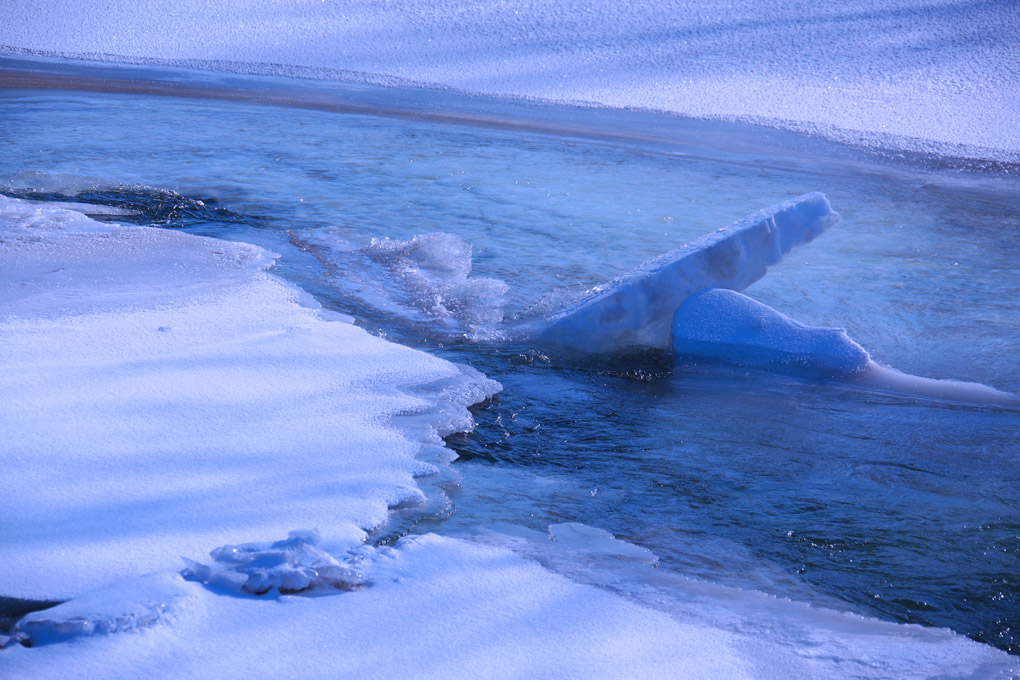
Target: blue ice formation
[[635, 312], [724, 325], [293, 565]]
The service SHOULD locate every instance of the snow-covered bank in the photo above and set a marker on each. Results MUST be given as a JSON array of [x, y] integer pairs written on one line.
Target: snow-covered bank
[[164, 395], [925, 75]]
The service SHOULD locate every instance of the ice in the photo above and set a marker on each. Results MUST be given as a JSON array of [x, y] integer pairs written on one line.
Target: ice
[[425, 281], [132, 604], [927, 75], [166, 394], [173, 396], [725, 325], [293, 565], [635, 312], [888, 379]]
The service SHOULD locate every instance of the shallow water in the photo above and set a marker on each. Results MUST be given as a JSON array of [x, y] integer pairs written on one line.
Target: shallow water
[[895, 507]]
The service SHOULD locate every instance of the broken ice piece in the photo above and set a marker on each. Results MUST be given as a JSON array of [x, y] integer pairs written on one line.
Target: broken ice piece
[[132, 604], [293, 565]]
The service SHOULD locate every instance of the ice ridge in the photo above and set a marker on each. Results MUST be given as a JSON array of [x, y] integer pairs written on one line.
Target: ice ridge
[[635, 312]]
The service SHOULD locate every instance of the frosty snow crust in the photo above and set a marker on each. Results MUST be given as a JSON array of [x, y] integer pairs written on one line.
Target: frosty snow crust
[[912, 74]]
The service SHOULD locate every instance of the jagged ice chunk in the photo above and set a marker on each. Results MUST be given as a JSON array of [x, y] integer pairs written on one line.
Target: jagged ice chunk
[[635, 312]]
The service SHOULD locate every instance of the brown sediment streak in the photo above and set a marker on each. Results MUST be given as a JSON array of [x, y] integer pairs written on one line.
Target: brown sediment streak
[[12, 79]]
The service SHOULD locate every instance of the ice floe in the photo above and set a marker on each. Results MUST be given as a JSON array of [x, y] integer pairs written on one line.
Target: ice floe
[[727, 326]]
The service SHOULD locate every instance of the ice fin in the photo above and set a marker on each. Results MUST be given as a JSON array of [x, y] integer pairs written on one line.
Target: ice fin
[[635, 311]]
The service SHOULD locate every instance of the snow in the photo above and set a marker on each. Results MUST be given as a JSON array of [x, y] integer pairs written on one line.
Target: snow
[[290, 566], [132, 604], [636, 311], [166, 395], [437, 607], [725, 325], [925, 75]]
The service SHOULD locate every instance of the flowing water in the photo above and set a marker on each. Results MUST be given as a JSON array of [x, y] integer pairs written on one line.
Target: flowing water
[[442, 236]]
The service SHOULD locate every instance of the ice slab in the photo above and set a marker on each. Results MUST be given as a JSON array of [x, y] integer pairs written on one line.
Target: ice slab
[[165, 395], [881, 378], [635, 312], [130, 605], [726, 326]]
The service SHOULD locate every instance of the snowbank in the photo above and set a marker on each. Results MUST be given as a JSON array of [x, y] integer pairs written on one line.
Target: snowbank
[[165, 395], [929, 75], [437, 607]]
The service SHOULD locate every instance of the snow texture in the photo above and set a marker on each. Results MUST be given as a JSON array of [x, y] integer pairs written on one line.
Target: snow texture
[[440, 608], [726, 326], [635, 312], [130, 605], [166, 395], [171, 395], [927, 75]]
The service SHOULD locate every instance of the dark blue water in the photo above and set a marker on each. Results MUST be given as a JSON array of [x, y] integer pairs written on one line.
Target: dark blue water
[[899, 508]]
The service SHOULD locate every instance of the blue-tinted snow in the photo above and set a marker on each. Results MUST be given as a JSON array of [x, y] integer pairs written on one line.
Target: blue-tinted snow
[[935, 75]]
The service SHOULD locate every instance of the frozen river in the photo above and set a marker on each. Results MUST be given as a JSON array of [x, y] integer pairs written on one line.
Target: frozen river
[[443, 235]]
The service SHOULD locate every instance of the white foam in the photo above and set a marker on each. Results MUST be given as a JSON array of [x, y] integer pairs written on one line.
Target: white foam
[[916, 74]]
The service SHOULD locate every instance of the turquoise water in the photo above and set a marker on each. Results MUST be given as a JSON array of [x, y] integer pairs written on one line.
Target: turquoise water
[[899, 508]]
